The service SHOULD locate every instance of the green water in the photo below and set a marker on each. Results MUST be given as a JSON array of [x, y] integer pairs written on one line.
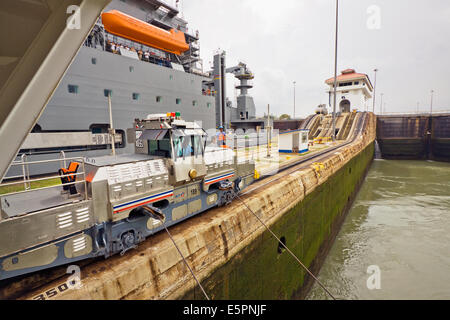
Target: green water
[[400, 222]]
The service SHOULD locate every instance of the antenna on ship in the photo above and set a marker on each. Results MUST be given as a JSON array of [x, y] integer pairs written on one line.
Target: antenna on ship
[[179, 6], [112, 131]]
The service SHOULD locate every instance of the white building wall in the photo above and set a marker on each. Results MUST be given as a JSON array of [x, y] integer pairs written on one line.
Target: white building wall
[[286, 141], [357, 95]]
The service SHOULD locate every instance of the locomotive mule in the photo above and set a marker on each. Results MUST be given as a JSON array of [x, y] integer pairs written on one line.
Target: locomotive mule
[[119, 200]]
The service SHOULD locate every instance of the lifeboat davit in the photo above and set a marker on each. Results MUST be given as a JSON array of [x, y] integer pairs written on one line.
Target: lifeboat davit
[[125, 26]]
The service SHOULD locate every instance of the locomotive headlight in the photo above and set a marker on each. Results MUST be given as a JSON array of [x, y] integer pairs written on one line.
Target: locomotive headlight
[[193, 173]]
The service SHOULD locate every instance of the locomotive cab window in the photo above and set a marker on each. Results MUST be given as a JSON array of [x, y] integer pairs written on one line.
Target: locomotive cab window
[[160, 147], [198, 145], [183, 146]]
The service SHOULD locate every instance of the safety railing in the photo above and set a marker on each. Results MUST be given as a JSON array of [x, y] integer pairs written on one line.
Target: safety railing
[[62, 157], [27, 181], [25, 172], [419, 113], [322, 140]]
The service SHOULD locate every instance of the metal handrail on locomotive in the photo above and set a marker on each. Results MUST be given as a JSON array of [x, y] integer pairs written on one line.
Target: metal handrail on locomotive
[[172, 176]]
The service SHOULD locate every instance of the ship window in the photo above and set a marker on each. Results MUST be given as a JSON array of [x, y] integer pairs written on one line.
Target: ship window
[[94, 60], [136, 96], [131, 68], [36, 128], [171, 77], [99, 128], [208, 104], [356, 83], [158, 99], [72, 88], [178, 101], [107, 92], [194, 103]]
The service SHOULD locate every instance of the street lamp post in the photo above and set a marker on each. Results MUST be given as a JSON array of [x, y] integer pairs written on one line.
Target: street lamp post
[[381, 104], [374, 89], [294, 100], [112, 131], [431, 104], [335, 72]]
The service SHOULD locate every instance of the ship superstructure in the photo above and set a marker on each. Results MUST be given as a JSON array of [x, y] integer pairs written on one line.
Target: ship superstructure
[[142, 58], [140, 72]]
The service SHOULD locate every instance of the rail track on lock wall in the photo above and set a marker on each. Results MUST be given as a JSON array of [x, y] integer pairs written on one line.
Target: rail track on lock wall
[[16, 287], [287, 169], [307, 121]]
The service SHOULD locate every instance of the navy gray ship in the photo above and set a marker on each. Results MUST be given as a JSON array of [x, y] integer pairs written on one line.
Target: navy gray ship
[[142, 55]]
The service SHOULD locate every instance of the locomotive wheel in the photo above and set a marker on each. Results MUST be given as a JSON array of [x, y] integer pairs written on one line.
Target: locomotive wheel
[[128, 242], [229, 196]]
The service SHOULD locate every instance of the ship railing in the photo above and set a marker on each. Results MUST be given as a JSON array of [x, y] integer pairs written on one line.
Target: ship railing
[[155, 56], [27, 181]]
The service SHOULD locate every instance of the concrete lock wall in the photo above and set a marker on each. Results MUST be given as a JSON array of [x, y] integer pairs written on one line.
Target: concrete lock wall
[[227, 248], [261, 270]]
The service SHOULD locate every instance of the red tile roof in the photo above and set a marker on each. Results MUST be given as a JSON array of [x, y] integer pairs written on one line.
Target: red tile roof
[[350, 74]]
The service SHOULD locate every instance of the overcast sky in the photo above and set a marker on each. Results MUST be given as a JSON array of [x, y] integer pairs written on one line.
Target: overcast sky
[[287, 40]]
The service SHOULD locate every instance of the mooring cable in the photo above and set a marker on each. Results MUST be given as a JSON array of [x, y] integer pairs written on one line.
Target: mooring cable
[[185, 262], [292, 254]]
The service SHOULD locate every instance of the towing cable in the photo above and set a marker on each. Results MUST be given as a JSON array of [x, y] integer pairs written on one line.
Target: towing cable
[[290, 252], [158, 215]]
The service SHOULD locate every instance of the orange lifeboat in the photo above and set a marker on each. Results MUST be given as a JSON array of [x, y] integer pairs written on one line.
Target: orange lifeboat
[[123, 25]]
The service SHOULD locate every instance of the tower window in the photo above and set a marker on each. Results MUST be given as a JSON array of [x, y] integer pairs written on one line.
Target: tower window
[[136, 96], [94, 60], [171, 77], [158, 99], [72, 88], [107, 92], [194, 103], [208, 104], [178, 101], [131, 68]]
